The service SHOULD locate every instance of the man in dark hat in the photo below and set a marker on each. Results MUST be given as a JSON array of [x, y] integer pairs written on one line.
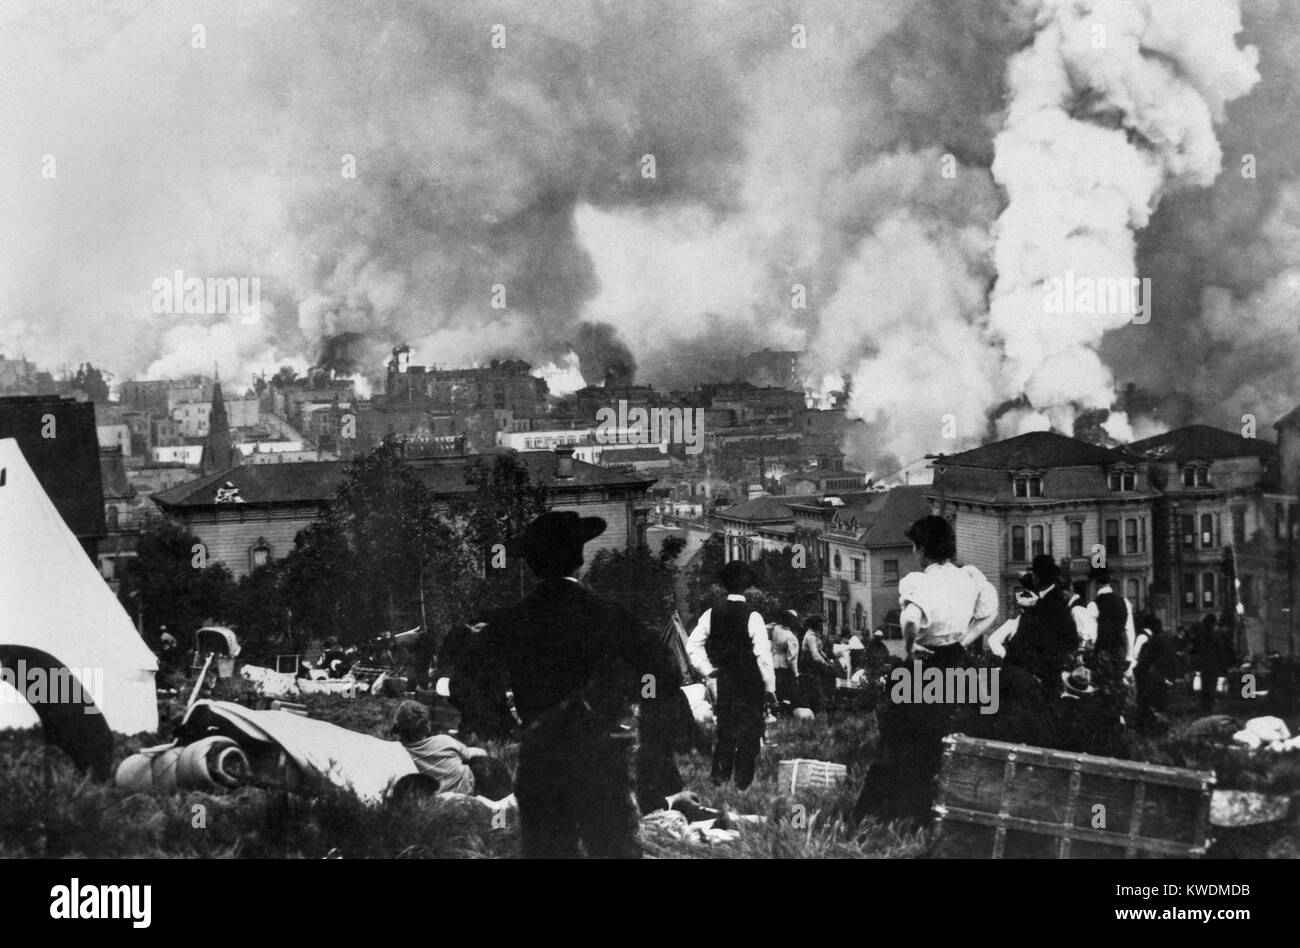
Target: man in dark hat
[[730, 643], [573, 662], [1044, 637]]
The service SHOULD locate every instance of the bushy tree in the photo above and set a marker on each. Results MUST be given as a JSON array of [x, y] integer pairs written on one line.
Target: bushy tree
[[505, 499], [170, 579]]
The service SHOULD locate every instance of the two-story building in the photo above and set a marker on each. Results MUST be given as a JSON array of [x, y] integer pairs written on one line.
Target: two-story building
[[862, 552], [1046, 493], [1211, 503]]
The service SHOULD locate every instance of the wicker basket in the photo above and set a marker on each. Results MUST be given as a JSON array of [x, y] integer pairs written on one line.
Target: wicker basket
[[802, 774]]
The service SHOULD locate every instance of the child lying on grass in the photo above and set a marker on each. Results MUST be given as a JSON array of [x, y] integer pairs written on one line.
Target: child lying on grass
[[456, 767]]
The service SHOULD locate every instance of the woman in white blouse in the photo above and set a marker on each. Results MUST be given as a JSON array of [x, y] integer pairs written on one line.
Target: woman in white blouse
[[945, 607]]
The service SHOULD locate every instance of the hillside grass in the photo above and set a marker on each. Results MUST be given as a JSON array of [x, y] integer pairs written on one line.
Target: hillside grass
[[48, 809]]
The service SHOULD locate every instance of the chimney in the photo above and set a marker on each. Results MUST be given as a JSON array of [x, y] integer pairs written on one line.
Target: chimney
[[564, 461]]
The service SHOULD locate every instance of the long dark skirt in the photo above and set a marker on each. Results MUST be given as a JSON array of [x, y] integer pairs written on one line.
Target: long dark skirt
[[901, 780]]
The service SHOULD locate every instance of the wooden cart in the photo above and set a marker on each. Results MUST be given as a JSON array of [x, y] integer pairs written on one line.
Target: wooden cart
[[1013, 801]]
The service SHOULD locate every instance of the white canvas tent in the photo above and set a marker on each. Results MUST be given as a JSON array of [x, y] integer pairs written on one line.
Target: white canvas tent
[[54, 603]]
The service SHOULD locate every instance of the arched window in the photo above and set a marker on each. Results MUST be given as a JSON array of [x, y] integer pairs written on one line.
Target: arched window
[[839, 564], [260, 554]]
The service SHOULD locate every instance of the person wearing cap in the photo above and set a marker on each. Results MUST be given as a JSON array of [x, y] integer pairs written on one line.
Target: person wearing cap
[[455, 767], [730, 643], [944, 608], [574, 662]]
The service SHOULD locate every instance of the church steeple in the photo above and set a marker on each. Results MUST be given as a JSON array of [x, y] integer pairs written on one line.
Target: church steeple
[[218, 451]]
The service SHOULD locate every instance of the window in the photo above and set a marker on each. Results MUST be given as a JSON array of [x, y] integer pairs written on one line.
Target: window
[[1189, 477], [1130, 536], [110, 516], [1202, 477], [1036, 544], [1142, 532], [1134, 589], [859, 618], [1239, 526], [1130, 481], [1207, 590], [839, 563], [1028, 486], [824, 556], [857, 570], [891, 572], [1076, 537], [260, 555], [1123, 480], [1207, 531], [1187, 527], [1018, 545], [1112, 537], [1189, 589]]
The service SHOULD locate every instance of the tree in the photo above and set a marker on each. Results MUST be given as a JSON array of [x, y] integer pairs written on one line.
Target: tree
[[637, 579], [506, 498], [166, 578], [91, 381], [412, 567]]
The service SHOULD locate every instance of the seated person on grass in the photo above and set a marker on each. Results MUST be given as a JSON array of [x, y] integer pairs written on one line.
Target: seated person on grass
[[456, 767]]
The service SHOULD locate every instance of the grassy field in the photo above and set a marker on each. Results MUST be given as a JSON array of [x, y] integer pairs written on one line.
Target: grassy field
[[48, 809]]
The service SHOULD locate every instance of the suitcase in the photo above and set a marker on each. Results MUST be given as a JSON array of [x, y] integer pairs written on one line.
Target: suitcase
[[1008, 801]]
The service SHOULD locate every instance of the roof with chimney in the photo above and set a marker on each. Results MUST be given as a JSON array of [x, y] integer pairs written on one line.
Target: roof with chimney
[[1037, 450], [1201, 442], [875, 518], [310, 483]]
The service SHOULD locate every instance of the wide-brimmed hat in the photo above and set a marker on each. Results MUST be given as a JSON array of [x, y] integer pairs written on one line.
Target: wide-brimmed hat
[[1079, 681], [558, 531]]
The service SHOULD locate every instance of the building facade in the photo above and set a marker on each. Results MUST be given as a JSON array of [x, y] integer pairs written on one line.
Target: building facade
[[1045, 493]]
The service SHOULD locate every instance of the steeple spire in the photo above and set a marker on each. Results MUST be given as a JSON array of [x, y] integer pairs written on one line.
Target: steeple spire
[[218, 451]]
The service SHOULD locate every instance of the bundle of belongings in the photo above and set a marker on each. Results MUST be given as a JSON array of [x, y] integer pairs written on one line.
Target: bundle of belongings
[[1267, 733], [221, 745]]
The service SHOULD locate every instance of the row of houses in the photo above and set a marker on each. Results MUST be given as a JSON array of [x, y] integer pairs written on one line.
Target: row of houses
[[1194, 521]]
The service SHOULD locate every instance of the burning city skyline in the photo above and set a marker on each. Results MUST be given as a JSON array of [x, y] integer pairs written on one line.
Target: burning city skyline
[[920, 169]]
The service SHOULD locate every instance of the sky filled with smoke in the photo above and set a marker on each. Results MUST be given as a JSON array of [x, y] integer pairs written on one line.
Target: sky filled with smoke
[[775, 165]]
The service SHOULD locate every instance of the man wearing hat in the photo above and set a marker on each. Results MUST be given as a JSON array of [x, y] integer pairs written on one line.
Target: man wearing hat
[[1044, 637], [573, 662], [730, 642]]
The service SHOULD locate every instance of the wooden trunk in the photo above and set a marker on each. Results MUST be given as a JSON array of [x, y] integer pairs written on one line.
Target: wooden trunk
[[1013, 801]]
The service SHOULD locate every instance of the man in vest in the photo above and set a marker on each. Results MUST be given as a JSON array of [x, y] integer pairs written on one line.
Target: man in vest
[[1113, 650], [730, 643]]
